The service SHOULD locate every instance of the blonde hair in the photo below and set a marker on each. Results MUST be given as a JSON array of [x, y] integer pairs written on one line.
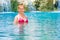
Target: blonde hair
[[20, 4]]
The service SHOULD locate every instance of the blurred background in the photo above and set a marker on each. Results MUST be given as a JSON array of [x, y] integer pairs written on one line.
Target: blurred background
[[35, 5]]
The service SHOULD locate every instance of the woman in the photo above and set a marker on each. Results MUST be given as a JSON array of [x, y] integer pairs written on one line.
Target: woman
[[20, 18]]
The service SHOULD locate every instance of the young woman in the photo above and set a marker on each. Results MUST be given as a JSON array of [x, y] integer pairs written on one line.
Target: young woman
[[20, 18]]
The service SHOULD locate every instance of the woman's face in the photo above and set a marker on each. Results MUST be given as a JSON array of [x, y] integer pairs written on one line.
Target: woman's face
[[21, 9]]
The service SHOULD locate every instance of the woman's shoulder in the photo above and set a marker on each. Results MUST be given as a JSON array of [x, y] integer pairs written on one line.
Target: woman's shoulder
[[16, 16]]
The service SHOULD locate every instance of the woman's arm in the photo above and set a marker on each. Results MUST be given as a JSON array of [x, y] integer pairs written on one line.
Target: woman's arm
[[15, 21]]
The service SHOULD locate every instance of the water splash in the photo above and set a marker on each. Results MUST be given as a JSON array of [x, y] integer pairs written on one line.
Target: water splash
[[5, 5], [58, 4], [31, 6]]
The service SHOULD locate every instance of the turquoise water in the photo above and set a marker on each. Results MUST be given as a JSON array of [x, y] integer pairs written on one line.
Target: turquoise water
[[41, 26]]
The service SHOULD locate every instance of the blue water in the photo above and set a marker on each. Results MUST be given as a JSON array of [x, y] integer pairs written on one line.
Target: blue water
[[41, 26]]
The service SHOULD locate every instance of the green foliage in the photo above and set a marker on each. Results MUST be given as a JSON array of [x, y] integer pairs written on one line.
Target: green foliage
[[26, 8], [40, 5], [14, 5], [37, 4], [44, 5]]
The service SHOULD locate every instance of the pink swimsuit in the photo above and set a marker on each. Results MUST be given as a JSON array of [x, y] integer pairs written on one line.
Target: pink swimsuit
[[22, 20]]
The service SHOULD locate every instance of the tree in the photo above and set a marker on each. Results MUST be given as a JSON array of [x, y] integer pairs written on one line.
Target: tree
[[44, 5], [50, 5], [37, 3], [14, 5]]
